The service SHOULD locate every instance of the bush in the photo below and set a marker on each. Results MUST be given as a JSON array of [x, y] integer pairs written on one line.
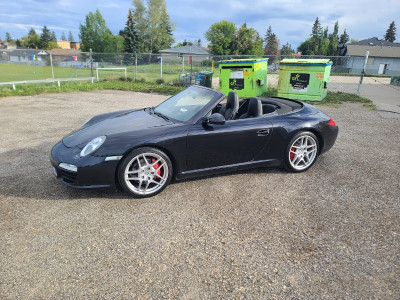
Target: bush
[[160, 81]]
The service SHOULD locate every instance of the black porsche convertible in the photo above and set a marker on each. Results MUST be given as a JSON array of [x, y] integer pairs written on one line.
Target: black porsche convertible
[[195, 132]]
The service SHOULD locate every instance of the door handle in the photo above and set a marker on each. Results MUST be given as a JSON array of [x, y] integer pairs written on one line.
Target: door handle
[[263, 132]]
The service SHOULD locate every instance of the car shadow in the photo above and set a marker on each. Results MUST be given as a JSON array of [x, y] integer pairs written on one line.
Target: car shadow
[[27, 173]]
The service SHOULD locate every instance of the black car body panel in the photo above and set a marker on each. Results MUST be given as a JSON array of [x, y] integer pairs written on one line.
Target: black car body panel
[[194, 148]]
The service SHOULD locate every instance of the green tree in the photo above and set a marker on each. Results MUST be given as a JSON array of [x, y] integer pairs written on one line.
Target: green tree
[[95, 34], [63, 37], [165, 39], [70, 37], [317, 38], [130, 35], [8, 37], [344, 37], [221, 35], [32, 40], [139, 15], [45, 37], [334, 41], [52, 45], [153, 24], [287, 49], [305, 47], [390, 35], [247, 42], [272, 44], [53, 37]]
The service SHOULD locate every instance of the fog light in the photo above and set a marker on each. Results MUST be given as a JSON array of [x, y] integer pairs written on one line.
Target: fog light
[[68, 167]]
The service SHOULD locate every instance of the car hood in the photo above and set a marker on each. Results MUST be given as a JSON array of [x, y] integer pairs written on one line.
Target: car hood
[[131, 121]]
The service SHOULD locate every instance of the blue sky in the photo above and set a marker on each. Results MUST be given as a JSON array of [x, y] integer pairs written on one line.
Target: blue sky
[[291, 20]]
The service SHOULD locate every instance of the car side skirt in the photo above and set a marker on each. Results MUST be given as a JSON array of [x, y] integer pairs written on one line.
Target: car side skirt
[[229, 168]]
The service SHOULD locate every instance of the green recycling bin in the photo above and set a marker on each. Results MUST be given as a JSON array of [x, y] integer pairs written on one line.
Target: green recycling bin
[[246, 77], [304, 79], [204, 78]]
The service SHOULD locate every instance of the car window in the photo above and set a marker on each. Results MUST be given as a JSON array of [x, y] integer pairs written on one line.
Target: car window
[[184, 105]]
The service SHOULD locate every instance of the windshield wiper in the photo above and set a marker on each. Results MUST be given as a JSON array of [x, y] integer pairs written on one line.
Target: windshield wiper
[[161, 115]]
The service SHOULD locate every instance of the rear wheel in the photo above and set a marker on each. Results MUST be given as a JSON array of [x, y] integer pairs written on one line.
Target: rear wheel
[[145, 172], [301, 152]]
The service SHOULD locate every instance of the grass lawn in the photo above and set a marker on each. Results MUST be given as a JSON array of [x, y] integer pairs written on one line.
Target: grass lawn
[[150, 73]]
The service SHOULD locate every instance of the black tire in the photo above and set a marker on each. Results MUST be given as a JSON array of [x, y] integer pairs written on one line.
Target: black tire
[[145, 172], [301, 152]]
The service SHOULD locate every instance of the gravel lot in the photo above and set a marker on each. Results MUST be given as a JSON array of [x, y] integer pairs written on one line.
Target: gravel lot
[[331, 232]]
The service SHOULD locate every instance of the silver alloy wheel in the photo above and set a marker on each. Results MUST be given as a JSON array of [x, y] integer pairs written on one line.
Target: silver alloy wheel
[[146, 173], [303, 152]]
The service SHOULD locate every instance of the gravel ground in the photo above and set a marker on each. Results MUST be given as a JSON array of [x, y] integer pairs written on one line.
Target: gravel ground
[[331, 232]]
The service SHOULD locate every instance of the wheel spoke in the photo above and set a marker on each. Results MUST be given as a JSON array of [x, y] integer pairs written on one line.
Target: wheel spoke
[[138, 161], [159, 176], [147, 185], [145, 159], [162, 165]]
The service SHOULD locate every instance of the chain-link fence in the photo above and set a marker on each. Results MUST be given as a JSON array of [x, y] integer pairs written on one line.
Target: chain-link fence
[[27, 65]]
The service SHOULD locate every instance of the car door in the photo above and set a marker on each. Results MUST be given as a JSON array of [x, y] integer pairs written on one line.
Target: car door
[[236, 141]]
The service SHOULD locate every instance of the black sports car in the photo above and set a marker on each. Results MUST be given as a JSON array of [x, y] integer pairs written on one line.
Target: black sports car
[[196, 132]]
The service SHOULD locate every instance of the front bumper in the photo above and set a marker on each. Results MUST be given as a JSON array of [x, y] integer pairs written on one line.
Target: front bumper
[[92, 171]]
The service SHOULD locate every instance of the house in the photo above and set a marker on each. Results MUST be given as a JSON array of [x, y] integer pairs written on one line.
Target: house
[[68, 45], [383, 58], [197, 53], [67, 57], [28, 56]]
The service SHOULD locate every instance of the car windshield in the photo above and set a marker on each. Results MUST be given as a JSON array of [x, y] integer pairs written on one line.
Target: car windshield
[[183, 106]]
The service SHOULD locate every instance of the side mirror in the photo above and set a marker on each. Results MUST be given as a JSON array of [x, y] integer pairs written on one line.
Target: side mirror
[[216, 119]]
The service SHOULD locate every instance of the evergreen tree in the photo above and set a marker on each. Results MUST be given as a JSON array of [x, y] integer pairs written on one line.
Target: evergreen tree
[[130, 35], [317, 38], [344, 37], [45, 37], [53, 37], [8, 37], [390, 35], [199, 42], [70, 37], [63, 38], [272, 44], [287, 49], [334, 41]]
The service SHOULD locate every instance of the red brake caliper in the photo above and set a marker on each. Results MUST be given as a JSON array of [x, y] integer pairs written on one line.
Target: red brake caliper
[[292, 153], [155, 166]]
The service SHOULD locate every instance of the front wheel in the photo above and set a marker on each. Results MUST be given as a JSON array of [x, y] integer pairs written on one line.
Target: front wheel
[[301, 152], [145, 172]]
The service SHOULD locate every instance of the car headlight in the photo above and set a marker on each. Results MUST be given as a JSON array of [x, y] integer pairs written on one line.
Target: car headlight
[[93, 145]]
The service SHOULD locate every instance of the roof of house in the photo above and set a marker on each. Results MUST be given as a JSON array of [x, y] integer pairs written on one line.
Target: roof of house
[[375, 42], [74, 52], [188, 49], [375, 47], [25, 52]]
